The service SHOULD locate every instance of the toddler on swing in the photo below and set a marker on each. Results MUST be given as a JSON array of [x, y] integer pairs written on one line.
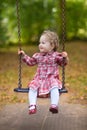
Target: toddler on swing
[[46, 79]]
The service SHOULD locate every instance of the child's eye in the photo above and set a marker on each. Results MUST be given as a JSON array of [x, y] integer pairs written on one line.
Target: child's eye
[[43, 42]]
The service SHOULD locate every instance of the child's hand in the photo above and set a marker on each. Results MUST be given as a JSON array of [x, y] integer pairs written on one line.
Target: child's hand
[[21, 52], [64, 54]]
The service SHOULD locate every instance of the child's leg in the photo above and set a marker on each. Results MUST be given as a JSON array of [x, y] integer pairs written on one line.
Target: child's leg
[[54, 96], [32, 97], [54, 100], [32, 101]]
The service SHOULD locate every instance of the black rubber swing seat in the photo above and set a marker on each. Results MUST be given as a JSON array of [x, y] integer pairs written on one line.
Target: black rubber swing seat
[[22, 90], [26, 90], [63, 90]]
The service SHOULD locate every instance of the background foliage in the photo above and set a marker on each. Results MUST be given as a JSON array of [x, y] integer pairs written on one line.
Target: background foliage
[[37, 15]]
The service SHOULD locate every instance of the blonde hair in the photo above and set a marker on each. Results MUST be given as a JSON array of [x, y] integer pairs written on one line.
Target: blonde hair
[[53, 38]]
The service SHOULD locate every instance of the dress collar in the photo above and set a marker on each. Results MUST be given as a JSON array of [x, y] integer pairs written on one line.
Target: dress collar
[[47, 53]]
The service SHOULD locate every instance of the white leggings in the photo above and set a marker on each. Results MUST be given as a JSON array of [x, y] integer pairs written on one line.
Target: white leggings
[[54, 94]]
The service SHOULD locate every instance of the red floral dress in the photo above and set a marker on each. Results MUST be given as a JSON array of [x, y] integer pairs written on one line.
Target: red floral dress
[[47, 75]]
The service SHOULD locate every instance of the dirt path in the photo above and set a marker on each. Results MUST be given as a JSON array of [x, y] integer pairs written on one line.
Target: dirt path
[[70, 116]]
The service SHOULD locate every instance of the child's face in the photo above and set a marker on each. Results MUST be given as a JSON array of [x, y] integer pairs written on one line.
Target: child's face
[[45, 45]]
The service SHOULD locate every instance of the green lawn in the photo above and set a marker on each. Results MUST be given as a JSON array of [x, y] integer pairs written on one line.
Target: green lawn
[[75, 74]]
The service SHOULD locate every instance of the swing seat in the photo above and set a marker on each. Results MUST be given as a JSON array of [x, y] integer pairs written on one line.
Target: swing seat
[[22, 90], [26, 90], [63, 90]]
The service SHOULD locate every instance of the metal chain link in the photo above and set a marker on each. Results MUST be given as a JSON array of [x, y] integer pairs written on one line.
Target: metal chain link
[[19, 43], [63, 22]]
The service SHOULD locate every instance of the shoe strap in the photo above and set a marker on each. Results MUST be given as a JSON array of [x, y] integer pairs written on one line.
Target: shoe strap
[[31, 107], [54, 106]]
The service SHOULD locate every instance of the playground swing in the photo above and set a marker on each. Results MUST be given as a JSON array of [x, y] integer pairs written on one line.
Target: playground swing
[[26, 90]]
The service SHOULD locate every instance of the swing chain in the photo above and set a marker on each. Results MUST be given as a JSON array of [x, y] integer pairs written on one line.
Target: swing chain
[[63, 22], [19, 43], [19, 89]]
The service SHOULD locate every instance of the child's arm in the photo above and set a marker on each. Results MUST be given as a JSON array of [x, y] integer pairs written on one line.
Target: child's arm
[[28, 60], [62, 58]]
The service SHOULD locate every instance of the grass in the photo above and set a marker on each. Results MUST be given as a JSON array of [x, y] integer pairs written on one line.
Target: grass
[[76, 73]]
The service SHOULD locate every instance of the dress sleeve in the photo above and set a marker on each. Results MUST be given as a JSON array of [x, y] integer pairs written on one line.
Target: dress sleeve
[[30, 60], [60, 59]]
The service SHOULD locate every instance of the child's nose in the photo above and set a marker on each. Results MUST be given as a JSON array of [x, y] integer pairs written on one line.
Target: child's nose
[[39, 44]]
